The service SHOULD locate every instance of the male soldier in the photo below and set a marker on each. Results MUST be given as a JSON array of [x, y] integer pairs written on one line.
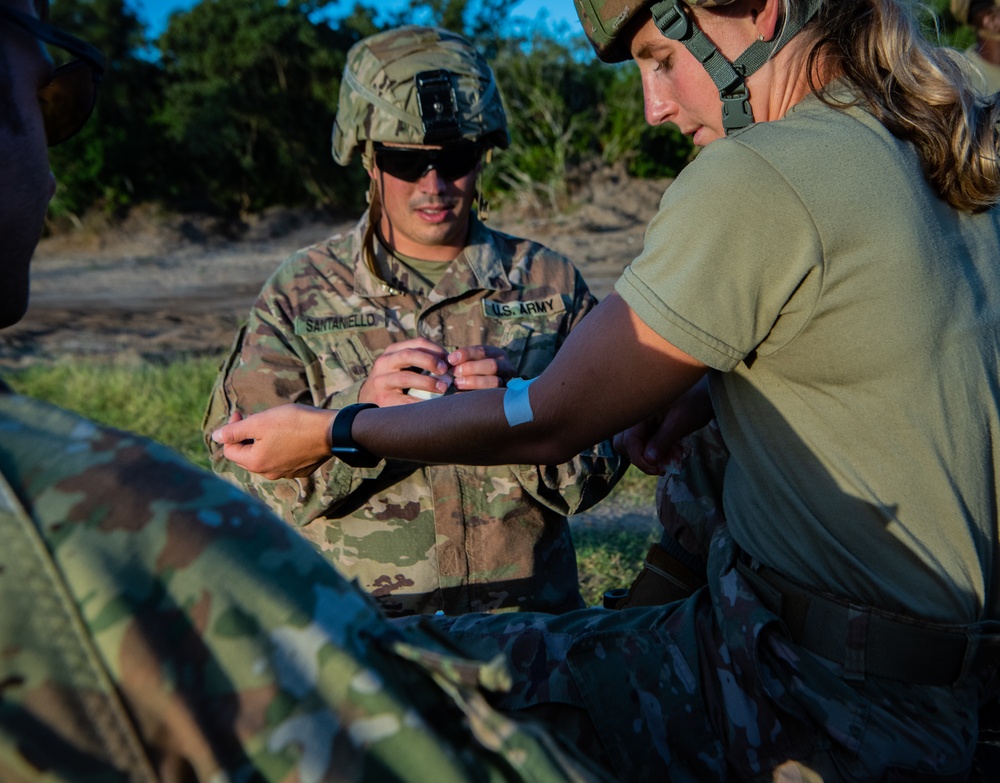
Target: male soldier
[[984, 17], [158, 625], [418, 300]]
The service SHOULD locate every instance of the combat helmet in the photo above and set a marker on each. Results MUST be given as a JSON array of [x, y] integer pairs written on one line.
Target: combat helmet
[[605, 23], [417, 85]]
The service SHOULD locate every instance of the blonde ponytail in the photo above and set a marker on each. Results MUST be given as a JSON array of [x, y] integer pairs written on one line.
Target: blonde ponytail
[[921, 92]]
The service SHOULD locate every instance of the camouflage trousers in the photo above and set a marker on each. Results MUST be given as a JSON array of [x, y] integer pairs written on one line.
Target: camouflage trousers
[[711, 688]]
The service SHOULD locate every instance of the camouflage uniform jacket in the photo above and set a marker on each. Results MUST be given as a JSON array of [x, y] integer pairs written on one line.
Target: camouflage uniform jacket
[[159, 625], [419, 538]]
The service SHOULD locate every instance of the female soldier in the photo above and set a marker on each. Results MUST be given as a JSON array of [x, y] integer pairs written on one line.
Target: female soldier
[[829, 263]]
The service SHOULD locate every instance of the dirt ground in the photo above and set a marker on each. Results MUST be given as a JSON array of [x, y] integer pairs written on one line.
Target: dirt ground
[[156, 288], [159, 287]]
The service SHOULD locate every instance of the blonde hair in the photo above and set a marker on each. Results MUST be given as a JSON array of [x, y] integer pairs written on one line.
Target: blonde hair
[[921, 92]]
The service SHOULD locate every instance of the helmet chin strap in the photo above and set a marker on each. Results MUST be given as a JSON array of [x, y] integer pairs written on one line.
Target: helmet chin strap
[[729, 77], [374, 197]]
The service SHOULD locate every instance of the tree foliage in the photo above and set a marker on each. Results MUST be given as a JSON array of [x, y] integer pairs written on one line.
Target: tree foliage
[[250, 87], [107, 165], [230, 109]]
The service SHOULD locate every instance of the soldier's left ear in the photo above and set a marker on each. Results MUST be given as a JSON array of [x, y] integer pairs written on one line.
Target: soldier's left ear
[[765, 15]]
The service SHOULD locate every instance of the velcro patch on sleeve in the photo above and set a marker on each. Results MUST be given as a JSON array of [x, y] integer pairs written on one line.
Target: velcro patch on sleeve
[[536, 308]]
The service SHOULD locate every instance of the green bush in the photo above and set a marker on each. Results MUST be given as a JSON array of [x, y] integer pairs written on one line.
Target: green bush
[[230, 109]]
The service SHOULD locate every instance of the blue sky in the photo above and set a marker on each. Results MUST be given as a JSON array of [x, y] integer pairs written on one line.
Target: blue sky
[[155, 12]]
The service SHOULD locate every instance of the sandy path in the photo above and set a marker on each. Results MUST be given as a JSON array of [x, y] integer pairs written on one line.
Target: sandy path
[[157, 289]]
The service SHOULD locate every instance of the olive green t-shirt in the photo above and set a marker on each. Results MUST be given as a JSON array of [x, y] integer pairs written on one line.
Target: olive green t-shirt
[[853, 319], [421, 275], [430, 272]]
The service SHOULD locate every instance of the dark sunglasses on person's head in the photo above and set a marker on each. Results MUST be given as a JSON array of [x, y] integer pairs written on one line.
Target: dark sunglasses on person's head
[[411, 163], [68, 98]]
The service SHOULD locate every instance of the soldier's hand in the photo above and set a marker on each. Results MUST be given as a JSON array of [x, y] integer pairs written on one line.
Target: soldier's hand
[[480, 367], [410, 364], [647, 444], [283, 442]]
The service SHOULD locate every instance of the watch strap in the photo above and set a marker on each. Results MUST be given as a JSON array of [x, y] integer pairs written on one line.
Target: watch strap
[[342, 443]]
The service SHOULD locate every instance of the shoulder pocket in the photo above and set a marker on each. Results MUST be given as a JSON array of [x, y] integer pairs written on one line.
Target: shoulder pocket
[[347, 361]]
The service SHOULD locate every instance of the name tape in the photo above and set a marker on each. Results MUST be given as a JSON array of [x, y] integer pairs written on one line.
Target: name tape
[[532, 309], [353, 322]]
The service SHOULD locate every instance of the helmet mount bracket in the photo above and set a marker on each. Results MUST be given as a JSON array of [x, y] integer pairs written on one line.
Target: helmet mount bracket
[[438, 107]]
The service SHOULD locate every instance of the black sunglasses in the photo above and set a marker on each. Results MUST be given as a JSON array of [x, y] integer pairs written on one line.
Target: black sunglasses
[[410, 164], [69, 97]]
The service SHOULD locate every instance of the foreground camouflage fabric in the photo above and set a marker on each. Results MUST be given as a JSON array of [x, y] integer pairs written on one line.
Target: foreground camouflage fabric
[[157, 625], [419, 538]]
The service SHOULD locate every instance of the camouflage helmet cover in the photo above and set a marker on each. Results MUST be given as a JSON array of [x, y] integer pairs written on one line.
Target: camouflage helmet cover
[[605, 21], [379, 99]]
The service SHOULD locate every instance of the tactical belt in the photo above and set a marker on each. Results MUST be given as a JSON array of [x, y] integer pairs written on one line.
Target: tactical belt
[[870, 641]]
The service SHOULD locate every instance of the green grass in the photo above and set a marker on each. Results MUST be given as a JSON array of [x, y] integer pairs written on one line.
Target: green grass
[[607, 559], [166, 402], [635, 489], [609, 556]]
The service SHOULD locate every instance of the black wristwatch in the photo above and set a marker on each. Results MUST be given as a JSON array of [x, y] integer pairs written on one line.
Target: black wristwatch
[[342, 445]]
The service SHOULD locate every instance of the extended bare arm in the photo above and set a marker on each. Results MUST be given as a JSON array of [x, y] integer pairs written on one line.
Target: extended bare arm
[[611, 373]]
